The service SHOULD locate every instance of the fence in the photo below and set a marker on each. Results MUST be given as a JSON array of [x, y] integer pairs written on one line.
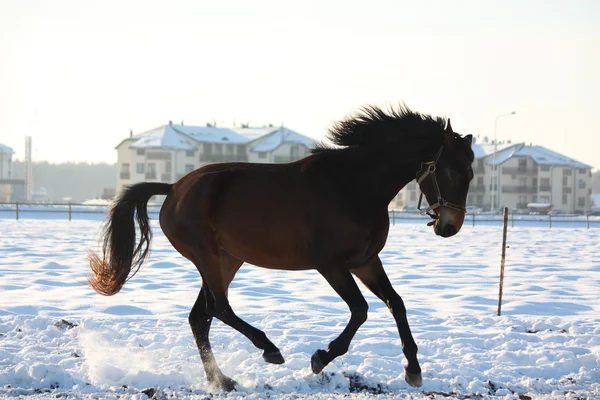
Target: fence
[[77, 211]]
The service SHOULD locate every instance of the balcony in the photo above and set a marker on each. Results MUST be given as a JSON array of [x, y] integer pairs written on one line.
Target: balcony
[[477, 188], [545, 188], [211, 158], [286, 159], [150, 175], [478, 170], [567, 190], [125, 175], [521, 206], [518, 189], [519, 171]]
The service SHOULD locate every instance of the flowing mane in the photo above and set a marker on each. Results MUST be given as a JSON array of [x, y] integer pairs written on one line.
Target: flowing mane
[[372, 125]]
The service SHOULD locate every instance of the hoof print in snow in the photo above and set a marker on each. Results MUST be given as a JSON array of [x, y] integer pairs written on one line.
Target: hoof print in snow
[[359, 384], [64, 325]]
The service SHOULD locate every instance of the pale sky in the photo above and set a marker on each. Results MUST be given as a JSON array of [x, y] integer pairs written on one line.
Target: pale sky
[[78, 75]]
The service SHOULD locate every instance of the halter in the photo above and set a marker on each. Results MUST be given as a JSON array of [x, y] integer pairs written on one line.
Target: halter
[[428, 169]]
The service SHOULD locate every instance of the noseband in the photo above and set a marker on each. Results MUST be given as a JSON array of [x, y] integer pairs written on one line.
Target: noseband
[[428, 169]]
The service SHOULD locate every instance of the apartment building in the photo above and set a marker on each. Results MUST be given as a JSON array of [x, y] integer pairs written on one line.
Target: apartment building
[[169, 152], [521, 177], [6, 181]]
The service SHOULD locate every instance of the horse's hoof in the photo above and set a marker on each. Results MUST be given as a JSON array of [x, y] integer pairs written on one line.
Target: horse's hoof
[[316, 361], [224, 383], [413, 379], [273, 357]]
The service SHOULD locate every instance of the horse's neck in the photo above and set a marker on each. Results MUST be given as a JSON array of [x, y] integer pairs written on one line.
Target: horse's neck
[[381, 174]]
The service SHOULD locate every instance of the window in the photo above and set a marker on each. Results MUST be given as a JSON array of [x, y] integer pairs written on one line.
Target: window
[[564, 199], [168, 167], [218, 148], [522, 165], [480, 164], [140, 152], [522, 182], [545, 199], [190, 153], [534, 182], [139, 168], [480, 180], [295, 151], [230, 148], [565, 180], [545, 182], [262, 154], [582, 170], [479, 199], [545, 168], [189, 168], [534, 199], [581, 184], [151, 174], [566, 172], [208, 148], [241, 149], [125, 167], [522, 199], [581, 202]]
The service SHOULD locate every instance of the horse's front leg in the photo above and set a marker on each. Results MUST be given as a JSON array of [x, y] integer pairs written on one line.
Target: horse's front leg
[[375, 278], [343, 283]]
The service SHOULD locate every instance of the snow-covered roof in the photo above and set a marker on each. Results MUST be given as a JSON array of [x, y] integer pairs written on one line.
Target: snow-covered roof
[[539, 154], [164, 137], [212, 135], [6, 149], [270, 138], [484, 150]]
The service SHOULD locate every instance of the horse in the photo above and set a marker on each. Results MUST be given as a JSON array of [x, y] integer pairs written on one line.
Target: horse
[[327, 212]]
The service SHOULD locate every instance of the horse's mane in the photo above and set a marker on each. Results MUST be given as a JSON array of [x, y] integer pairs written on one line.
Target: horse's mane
[[372, 125]]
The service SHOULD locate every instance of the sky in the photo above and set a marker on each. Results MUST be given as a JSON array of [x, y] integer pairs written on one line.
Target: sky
[[78, 76]]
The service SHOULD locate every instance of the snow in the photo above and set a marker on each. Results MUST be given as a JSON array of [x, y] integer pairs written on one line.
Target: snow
[[271, 138], [539, 154], [60, 339], [164, 137], [6, 149], [212, 135]]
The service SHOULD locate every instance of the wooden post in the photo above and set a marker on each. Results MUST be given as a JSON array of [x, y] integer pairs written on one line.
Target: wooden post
[[69, 211], [17, 210], [587, 220], [502, 261]]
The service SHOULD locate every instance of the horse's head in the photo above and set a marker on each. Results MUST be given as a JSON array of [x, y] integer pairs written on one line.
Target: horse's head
[[444, 181]]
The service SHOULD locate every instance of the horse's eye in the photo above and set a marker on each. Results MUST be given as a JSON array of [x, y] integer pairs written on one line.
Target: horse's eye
[[453, 175]]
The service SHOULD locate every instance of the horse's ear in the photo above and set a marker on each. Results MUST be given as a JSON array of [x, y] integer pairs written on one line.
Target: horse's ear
[[448, 126], [469, 139]]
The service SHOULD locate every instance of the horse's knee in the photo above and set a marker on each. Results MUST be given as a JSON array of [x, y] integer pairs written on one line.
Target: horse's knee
[[360, 313]]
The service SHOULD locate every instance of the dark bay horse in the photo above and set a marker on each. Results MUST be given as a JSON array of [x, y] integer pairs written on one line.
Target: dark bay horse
[[328, 211]]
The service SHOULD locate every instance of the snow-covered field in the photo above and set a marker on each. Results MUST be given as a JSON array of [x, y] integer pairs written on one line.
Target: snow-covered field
[[546, 345]]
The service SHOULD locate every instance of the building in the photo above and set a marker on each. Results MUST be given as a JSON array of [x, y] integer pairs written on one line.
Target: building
[[169, 152], [521, 177], [9, 187]]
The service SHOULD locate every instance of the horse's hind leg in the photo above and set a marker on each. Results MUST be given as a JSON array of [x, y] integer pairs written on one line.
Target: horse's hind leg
[[200, 320], [217, 274], [343, 283], [374, 277]]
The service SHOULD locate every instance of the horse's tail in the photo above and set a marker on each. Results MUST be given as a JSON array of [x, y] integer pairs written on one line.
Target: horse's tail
[[120, 255]]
